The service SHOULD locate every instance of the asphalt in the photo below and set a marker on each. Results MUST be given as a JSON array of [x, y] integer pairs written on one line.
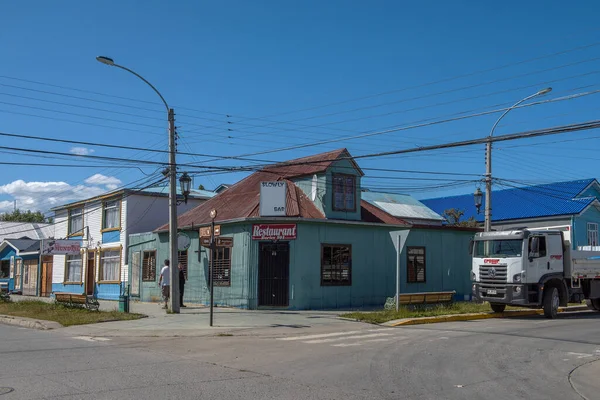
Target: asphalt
[[528, 357]]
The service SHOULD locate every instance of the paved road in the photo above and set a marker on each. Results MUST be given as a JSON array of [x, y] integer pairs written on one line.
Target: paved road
[[531, 358]]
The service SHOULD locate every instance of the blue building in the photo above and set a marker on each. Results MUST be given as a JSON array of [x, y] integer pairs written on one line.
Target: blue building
[[19, 265], [571, 206]]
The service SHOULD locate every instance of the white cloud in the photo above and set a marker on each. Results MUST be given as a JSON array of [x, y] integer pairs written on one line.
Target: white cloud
[[109, 181], [44, 195], [81, 151]]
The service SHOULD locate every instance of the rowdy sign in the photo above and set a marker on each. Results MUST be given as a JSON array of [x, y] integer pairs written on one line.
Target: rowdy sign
[[273, 231], [52, 246]]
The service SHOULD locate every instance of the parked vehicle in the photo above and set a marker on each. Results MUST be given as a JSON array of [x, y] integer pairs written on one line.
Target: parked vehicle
[[533, 269]]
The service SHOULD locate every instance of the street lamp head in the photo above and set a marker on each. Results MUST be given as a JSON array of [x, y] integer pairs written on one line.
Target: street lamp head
[[185, 181], [213, 214], [544, 91], [477, 196], [105, 60]]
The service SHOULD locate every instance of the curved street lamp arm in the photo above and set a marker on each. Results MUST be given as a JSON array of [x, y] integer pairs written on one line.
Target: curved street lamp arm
[[148, 83], [510, 108]]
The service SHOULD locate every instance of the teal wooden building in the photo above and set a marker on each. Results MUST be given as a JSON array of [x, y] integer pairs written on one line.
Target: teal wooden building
[[331, 249]]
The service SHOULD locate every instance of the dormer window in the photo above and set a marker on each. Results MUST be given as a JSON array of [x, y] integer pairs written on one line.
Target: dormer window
[[344, 192]]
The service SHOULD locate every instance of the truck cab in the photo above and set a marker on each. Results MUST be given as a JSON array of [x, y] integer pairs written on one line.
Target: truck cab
[[513, 267]]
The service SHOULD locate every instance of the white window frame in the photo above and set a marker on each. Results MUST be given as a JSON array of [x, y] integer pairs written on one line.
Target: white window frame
[[69, 261], [111, 206], [592, 233], [75, 212], [115, 275]]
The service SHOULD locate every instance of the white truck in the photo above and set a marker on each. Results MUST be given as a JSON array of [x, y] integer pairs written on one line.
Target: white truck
[[533, 269]]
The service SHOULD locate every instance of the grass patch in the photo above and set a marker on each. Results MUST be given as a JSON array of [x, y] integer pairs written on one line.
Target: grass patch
[[64, 315], [378, 317]]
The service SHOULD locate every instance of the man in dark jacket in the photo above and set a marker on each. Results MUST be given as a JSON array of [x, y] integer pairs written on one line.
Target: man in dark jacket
[[182, 279]]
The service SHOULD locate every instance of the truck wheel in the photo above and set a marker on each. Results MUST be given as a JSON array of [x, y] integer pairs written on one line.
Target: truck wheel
[[498, 308], [551, 302], [593, 304]]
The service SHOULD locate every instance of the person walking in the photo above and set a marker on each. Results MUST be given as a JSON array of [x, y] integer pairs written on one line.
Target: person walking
[[165, 282], [182, 280]]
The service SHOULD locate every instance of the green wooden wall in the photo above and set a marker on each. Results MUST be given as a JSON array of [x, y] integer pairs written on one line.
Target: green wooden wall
[[373, 265]]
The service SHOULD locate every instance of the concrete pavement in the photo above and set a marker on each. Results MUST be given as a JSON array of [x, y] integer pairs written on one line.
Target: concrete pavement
[[519, 358]]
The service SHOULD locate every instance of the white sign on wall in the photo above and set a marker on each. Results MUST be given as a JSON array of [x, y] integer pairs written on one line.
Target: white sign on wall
[[272, 199], [52, 246]]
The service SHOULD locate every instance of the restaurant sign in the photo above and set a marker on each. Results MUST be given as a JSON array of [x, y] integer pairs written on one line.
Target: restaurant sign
[[273, 231]]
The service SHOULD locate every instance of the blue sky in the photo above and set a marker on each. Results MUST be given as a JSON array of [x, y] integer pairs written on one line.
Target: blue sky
[[247, 77]]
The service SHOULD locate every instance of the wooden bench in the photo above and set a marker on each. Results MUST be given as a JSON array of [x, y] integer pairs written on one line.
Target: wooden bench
[[77, 300], [427, 298]]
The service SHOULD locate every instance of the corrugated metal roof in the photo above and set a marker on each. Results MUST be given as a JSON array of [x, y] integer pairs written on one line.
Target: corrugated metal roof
[[310, 165], [371, 213], [25, 245], [401, 206], [17, 230], [537, 201], [242, 200]]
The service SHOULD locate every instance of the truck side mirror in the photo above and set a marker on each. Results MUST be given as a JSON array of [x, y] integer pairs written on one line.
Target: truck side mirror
[[534, 248], [471, 245]]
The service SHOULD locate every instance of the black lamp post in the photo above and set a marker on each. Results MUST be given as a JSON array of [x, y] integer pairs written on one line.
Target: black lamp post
[[477, 196]]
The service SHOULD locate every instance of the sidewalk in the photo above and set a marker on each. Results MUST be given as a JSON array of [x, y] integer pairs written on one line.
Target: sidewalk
[[194, 321], [584, 380]]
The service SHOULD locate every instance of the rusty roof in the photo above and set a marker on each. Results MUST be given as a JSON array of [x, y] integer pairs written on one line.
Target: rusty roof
[[311, 165]]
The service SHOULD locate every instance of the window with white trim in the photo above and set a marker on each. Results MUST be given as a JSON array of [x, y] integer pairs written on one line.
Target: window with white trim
[[110, 265], [73, 268], [592, 233], [344, 192], [112, 215], [75, 221]]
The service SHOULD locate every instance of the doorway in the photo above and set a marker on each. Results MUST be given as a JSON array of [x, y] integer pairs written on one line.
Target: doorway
[[90, 274], [273, 274], [46, 285]]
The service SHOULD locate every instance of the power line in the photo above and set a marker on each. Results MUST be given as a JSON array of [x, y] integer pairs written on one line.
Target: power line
[[403, 128]]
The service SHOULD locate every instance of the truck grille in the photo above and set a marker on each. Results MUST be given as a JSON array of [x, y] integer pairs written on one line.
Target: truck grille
[[492, 273]]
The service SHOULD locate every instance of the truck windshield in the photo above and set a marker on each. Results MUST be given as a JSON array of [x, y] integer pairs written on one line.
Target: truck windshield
[[498, 248]]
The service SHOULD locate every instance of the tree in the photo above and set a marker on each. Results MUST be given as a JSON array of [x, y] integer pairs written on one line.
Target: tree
[[453, 216], [27, 216], [201, 187]]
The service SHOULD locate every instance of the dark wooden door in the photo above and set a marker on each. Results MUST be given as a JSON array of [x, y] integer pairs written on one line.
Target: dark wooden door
[[46, 284], [273, 274], [90, 276]]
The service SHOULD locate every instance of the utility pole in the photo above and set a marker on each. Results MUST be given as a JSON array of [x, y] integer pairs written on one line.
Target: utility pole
[[488, 187], [174, 256]]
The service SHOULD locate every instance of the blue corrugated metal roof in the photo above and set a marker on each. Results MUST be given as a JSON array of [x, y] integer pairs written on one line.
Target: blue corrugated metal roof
[[400, 205], [559, 198]]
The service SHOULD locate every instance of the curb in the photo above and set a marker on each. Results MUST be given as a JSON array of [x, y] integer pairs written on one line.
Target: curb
[[474, 316], [29, 322]]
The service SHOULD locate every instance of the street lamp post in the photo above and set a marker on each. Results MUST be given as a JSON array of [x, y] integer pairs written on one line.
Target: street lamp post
[[173, 256], [488, 161], [213, 215]]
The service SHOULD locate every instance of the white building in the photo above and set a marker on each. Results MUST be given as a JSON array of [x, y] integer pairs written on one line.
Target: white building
[[103, 224]]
